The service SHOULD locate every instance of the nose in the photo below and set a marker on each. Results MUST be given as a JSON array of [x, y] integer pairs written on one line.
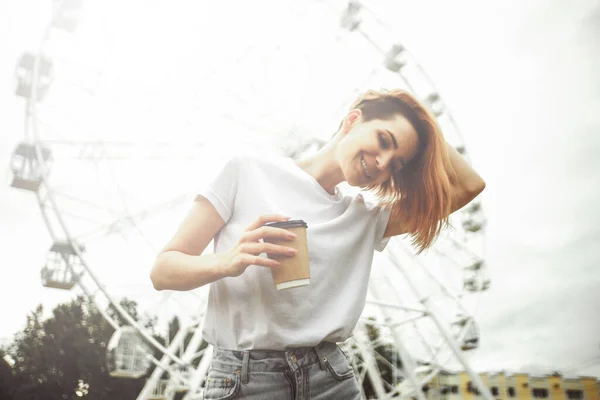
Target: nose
[[383, 160]]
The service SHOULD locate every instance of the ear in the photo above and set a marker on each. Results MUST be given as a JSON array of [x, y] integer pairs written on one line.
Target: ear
[[351, 119]]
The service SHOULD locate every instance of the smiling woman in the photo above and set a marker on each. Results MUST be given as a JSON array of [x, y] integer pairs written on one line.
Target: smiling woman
[[396, 149], [389, 143]]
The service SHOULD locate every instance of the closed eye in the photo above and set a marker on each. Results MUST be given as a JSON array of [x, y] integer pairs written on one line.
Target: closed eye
[[382, 141]]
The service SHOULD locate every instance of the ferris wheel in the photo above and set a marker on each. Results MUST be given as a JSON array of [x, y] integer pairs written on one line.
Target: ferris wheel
[[120, 127]]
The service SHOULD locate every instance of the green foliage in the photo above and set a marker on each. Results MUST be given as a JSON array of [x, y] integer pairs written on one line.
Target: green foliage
[[7, 378], [52, 356]]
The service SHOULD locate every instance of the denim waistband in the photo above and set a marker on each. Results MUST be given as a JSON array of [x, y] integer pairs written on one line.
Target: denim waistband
[[270, 360]]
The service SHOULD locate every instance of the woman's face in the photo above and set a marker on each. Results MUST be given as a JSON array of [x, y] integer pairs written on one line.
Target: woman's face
[[369, 152]]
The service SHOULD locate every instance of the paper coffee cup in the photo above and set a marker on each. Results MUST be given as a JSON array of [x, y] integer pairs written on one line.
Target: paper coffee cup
[[294, 271]]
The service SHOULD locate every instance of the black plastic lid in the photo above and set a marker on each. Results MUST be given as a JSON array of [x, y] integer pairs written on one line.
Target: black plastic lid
[[294, 223]]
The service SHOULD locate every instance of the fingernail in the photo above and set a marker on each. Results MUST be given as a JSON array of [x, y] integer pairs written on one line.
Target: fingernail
[[292, 235], [292, 251]]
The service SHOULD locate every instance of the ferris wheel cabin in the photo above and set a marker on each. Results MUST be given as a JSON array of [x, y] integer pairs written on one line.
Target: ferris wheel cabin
[[61, 262], [25, 74], [26, 171], [127, 354]]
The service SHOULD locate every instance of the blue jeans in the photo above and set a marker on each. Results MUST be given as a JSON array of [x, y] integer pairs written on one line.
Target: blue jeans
[[319, 373]]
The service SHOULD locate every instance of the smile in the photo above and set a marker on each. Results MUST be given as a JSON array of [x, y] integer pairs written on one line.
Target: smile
[[364, 165]]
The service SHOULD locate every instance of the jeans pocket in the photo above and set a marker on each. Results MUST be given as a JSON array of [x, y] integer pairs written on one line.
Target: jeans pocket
[[338, 365], [221, 385]]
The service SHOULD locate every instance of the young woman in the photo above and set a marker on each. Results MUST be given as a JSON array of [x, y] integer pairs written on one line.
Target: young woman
[[271, 344]]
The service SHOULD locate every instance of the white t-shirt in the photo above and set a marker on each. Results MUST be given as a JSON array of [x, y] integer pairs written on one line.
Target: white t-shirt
[[248, 312]]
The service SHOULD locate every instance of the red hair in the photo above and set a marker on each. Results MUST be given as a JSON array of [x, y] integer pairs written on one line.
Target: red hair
[[421, 191]]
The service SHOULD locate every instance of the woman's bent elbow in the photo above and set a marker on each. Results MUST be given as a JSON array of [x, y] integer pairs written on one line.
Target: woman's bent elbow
[[156, 276]]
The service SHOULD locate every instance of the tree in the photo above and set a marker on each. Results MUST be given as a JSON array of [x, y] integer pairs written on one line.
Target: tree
[[56, 356], [7, 377]]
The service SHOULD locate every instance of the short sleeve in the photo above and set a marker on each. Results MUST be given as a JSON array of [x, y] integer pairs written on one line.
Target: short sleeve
[[383, 217], [221, 189]]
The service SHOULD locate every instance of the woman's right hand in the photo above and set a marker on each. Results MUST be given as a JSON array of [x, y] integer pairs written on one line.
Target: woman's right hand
[[246, 252]]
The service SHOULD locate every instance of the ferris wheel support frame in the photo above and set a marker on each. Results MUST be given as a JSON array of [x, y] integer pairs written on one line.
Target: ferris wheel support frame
[[408, 365], [195, 377], [447, 292], [197, 374], [466, 316], [435, 364], [41, 203], [31, 133], [30, 116], [369, 361], [483, 389], [163, 364], [201, 372]]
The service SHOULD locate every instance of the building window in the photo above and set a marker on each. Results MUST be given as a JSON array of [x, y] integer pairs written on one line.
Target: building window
[[454, 389], [511, 391], [539, 393], [471, 388], [494, 390], [573, 394]]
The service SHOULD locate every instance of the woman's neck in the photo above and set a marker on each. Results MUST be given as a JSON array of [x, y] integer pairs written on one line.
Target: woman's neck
[[324, 167]]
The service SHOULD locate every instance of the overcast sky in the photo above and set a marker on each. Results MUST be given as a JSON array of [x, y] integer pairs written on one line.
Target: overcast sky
[[520, 77]]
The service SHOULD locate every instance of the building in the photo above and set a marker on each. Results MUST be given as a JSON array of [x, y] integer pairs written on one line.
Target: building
[[518, 386]]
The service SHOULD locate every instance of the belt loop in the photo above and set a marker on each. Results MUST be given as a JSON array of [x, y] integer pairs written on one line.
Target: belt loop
[[321, 354], [245, 362]]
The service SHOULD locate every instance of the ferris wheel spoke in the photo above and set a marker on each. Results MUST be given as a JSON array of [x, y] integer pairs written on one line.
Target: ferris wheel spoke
[[473, 270], [392, 325], [420, 334], [396, 306], [448, 257], [95, 150], [169, 367], [461, 247], [368, 360], [408, 364], [79, 200], [198, 354], [120, 225], [431, 355], [474, 264], [130, 221], [127, 214], [432, 275], [79, 217], [435, 351]]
